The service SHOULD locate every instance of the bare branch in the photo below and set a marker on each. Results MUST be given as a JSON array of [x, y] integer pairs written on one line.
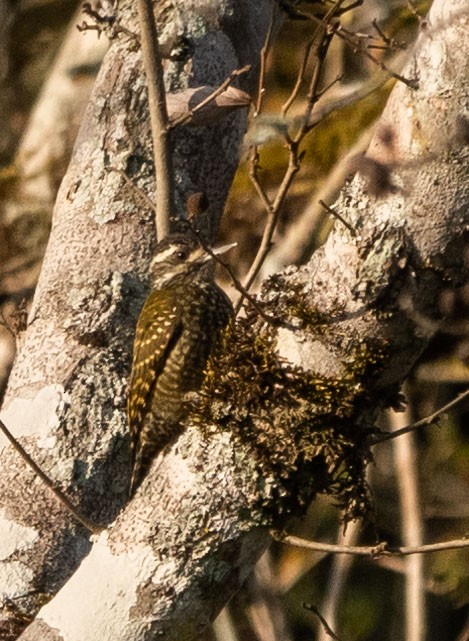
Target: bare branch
[[92, 527], [165, 207], [300, 77], [390, 42], [325, 108], [381, 549], [329, 631], [236, 282], [336, 214], [325, 36], [263, 60], [356, 43], [424, 422], [254, 176], [274, 213], [411, 526]]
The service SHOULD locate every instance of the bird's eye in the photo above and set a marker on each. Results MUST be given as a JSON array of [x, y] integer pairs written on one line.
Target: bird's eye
[[181, 255]]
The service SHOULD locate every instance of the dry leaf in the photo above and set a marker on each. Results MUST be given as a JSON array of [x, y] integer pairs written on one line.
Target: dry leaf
[[183, 107]]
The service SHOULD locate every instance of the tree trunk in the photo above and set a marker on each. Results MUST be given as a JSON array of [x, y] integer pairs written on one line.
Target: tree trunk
[[270, 438], [67, 392]]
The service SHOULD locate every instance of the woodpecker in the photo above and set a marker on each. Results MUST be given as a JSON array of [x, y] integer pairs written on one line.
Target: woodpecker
[[180, 321]]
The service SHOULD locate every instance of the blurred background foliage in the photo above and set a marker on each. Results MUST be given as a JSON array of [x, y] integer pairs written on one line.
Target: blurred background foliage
[[369, 603]]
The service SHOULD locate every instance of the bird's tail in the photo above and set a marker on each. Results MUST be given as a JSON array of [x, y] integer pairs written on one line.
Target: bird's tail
[[152, 442]]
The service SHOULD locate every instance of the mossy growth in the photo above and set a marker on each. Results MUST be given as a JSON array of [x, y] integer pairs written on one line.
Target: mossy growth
[[300, 426]]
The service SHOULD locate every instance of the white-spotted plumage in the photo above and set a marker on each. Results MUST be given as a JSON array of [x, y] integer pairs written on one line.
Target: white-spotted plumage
[[177, 327]]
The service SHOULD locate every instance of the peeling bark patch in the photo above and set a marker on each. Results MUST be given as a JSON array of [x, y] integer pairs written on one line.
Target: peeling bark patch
[[37, 416], [17, 574], [14, 537], [89, 591], [42, 631]]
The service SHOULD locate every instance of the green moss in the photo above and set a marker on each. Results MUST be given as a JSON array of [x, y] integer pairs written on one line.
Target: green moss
[[300, 426], [294, 305]]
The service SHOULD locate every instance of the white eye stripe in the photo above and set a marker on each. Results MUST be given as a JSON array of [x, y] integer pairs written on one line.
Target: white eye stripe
[[162, 256], [174, 250]]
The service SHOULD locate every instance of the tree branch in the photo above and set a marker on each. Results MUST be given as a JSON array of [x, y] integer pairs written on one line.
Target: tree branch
[[431, 419], [67, 391], [57, 492], [282, 401], [162, 154], [380, 549], [406, 470]]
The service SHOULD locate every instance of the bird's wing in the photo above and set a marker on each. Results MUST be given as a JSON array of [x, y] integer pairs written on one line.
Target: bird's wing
[[158, 326], [224, 310]]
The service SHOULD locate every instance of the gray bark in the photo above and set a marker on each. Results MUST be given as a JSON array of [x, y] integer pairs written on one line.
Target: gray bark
[[67, 392], [177, 552]]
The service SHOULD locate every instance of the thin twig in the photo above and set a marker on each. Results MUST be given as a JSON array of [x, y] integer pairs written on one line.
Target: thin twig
[[354, 42], [254, 176], [336, 214], [243, 291], [319, 30], [92, 527], [299, 79], [164, 172], [306, 234], [274, 212], [329, 86], [294, 160], [313, 96], [327, 107], [325, 39], [236, 282], [215, 93], [423, 422], [381, 549], [263, 61], [254, 159], [330, 632]]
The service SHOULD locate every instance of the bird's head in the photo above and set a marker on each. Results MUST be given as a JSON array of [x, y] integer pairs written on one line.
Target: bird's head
[[179, 258]]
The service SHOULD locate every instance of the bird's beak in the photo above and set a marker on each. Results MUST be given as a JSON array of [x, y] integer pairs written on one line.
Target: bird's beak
[[223, 248]]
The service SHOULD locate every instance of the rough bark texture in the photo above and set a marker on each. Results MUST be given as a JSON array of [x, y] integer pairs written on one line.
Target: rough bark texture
[[40, 163], [197, 524], [66, 396], [174, 557]]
